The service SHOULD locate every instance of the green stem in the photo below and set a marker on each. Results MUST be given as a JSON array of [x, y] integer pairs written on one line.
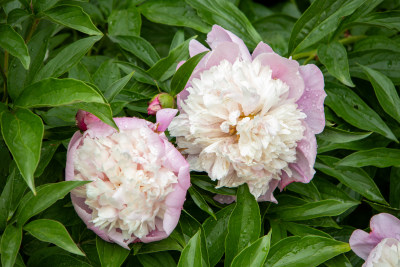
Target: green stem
[[352, 39], [32, 30]]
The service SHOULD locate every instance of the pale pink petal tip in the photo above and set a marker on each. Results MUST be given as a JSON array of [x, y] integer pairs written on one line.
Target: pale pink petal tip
[[164, 118], [195, 47], [224, 199]]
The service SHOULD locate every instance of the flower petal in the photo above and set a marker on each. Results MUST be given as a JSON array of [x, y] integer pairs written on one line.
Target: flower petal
[[362, 244], [69, 166], [224, 199], [260, 49], [219, 35], [384, 225], [312, 101], [164, 118], [268, 196], [84, 118], [224, 51], [195, 47]]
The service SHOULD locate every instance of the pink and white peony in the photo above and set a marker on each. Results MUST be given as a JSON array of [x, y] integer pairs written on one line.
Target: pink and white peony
[[380, 247], [250, 118], [139, 179]]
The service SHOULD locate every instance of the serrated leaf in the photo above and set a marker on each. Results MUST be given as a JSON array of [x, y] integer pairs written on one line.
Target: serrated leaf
[[175, 13], [66, 58], [73, 17], [334, 57], [53, 232], [308, 251], [378, 157], [349, 106], [125, 22], [227, 15], [182, 75], [244, 224], [191, 254], [10, 243], [110, 254], [46, 195], [385, 92], [199, 201], [13, 43], [23, 133], [255, 254]]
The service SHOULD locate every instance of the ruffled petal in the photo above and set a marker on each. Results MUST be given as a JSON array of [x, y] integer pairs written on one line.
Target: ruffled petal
[[312, 101], [286, 70], [260, 49], [362, 244], [195, 47], [219, 35], [164, 118]]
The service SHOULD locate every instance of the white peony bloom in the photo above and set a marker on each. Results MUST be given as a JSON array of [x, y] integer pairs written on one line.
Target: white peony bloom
[[385, 254]]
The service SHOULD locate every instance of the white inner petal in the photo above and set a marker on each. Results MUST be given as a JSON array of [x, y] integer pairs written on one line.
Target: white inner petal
[[129, 184], [385, 254], [238, 125]]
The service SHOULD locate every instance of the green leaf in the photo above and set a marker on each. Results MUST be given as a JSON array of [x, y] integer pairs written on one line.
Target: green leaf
[[355, 178], [41, 5], [205, 183], [23, 133], [385, 92], [328, 207], [157, 259], [376, 42], [106, 74], [338, 261], [336, 135], [215, 232], [395, 188], [228, 16], [378, 157], [301, 230], [139, 47], [53, 232], [73, 17], [46, 154], [349, 106], [115, 88], [10, 243], [320, 19], [66, 58], [175, 13], [110, 254], [13, 43], [244, 224], [200, 202], [308, 251], [166, 244], [79, 72], [191, 254], [255, 254], [124, 22], [334, 57], [182, 75], [308, 190], [100, 110], [389, 19], [179, 38], [17, 16], [46, 196]]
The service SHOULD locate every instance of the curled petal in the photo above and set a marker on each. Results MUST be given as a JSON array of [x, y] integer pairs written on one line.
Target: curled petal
[[312, 101], [164, 118], [260, 49]]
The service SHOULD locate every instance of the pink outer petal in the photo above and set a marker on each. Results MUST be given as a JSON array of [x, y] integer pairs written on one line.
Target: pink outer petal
[[224, 199], [73, 144], [224, 51], [385, 225], [260, 49], [219, 35], [312, 101], [83, 118], [362, 243], [164, 118], [306, 152], [195, 47], [286, 70], [268, 196]]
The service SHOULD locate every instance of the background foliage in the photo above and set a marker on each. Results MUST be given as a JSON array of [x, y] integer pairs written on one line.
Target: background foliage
[[110, 57]]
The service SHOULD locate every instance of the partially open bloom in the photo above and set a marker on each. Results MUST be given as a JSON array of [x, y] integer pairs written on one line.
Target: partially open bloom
[[139, 180], [250, 118], [380, 247], [160, 101]]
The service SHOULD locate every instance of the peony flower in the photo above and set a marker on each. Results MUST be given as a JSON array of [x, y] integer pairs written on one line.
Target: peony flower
[[381, 247], [250, 118], [160, 101], [139, 179]]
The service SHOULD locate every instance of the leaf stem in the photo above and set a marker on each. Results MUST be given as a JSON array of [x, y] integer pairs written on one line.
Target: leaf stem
[[32, 30]]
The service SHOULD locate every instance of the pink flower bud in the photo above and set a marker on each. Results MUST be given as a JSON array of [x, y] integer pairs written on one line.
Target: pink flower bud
[[138, 178], [160, 101]]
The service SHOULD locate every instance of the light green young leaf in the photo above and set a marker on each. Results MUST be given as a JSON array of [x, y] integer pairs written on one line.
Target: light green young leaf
[[13, 43]]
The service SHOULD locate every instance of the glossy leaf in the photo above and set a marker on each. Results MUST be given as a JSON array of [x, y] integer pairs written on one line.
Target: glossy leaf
[[157, 259], [10, 243], [182, 75], [308, 251], [100, 110], [23, 133], [385, 92], [227, 15], [205, 183], [139, 47], [378, 157], [46, 154], [244, 224], [13, 43], [191, 254], [301, 230], [334, 57], [124, 22], [110, 254], [335, 135], [349, 106], [115, 88], [46, 195], [200, 202], [255, 254], [389, 19], [53, 232], [355, 178], [66, 58], [73, 17], [107, 73], [42, 5]]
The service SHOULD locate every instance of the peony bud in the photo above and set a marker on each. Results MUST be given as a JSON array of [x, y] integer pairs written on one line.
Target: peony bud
[[160, 101], [139, 179]]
